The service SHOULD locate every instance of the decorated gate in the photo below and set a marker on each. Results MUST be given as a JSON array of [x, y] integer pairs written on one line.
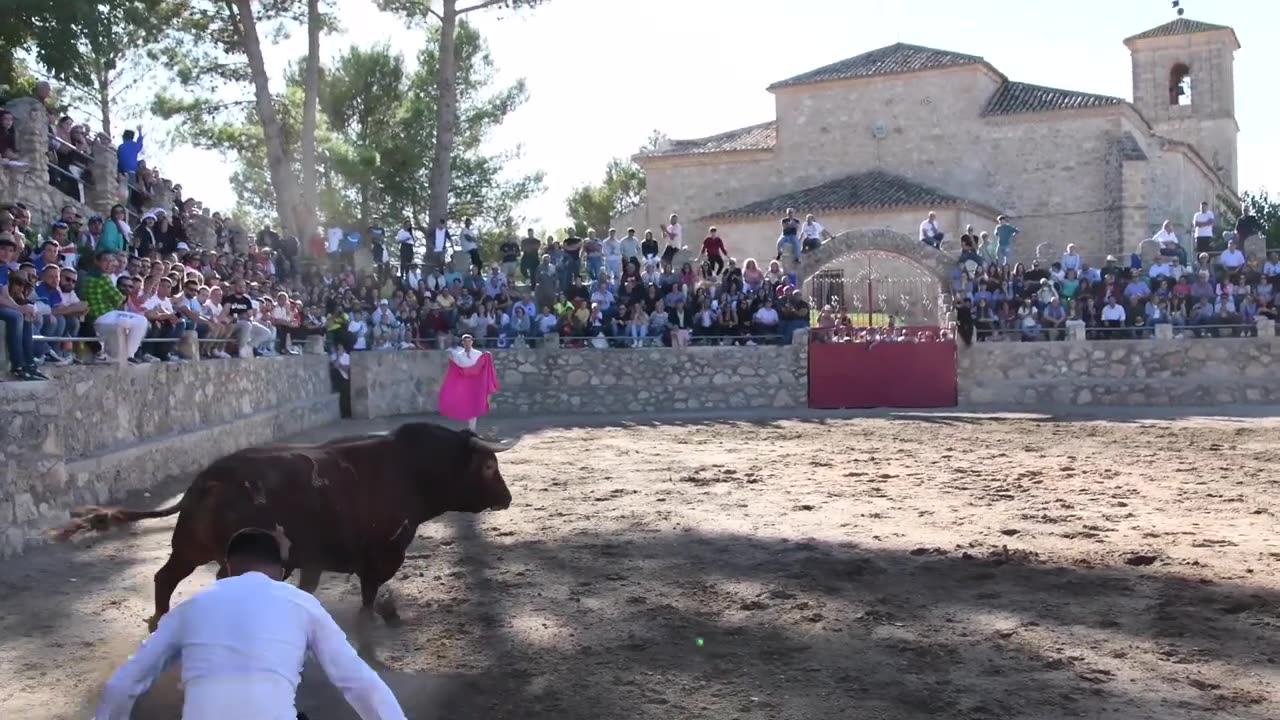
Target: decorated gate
[[880, 337]]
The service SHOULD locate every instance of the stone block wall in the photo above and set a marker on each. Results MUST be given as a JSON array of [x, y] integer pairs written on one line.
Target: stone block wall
[[94, 434], [1178, 372], [594, 382]]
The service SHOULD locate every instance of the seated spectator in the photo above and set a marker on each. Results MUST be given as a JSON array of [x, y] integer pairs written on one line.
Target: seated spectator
[[1167, 241], [1054, 319], [18, 315], [765, 322], [1232, 258], [109, 314], [1137, 290], [165, 325], [52, 316], [1113, 317]]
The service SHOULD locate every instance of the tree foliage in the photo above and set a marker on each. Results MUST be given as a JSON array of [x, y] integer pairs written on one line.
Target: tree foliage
[[63, 36], [593, 207], [375, 131], [1266, 209]]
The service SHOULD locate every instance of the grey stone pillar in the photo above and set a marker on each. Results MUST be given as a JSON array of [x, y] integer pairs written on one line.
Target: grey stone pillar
[[1164, 331], [189, 345], [1077, 332], [315, 345], [1266, 327], [31, 130], [105, 190]]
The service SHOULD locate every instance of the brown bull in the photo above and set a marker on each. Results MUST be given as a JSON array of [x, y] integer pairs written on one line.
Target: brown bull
[[350, 506]]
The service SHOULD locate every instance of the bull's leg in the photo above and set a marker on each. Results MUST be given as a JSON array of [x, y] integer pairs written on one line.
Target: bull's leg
[[374, 576], [309, 580], [167, 578]]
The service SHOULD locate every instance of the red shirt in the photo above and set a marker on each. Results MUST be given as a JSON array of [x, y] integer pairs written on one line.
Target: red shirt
[[714, 245]]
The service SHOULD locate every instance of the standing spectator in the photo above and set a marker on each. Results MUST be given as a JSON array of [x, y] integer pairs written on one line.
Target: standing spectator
[[18, 318], [1004, 232], [530, 249], [715, 251], [930, 233], [673, 233], [629, 248], [470, 245], [105, 302], [612, 249], [127, 155], [571, 264], [594, 251], [405, 237], [440, 243], [1246, 227], [790, 237], [8, 137], [510, 254], [811, 233], [1203, 224]]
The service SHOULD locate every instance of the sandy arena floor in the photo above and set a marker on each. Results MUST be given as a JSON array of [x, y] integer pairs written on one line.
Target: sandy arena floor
[[896, 566]]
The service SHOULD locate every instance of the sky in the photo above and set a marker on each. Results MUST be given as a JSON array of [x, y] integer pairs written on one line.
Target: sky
[[603, 74]]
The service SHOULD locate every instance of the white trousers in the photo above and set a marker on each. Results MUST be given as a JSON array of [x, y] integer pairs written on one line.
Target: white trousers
[[252, 334], [134, 329]]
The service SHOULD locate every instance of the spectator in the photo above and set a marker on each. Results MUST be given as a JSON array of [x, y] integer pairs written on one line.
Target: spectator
[[17, 314], [340, 377], [127, 155], [165, 325], [108, 313], [1203, 222], [1232, 258], [612, 249], [1005, 233], [1167, 241], [1113, 317], [8, 137], [713, 248], [509, 251], [470, 245], [790, 237], [930, 233], [811, 233], [629, 248], [530, 248], [250, 334], [52, 317]]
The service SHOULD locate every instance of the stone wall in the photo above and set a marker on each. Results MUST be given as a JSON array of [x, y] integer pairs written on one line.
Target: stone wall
[[1176, 372], [594, 382], [95, 434]]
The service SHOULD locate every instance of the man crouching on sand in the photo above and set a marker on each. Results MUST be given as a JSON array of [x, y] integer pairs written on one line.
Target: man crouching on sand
[[242, 642]]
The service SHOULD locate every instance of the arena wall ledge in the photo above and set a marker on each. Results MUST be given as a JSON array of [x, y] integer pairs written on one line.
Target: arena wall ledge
[[560, 382], [96, 434]]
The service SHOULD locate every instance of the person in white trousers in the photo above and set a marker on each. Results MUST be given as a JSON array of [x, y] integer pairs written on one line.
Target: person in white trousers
[[120, 330]]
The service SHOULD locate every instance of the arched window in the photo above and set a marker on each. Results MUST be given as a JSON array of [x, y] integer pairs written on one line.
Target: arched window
[[1180, 85]]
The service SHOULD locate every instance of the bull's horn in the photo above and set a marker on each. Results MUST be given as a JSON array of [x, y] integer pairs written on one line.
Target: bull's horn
[[495, 446]]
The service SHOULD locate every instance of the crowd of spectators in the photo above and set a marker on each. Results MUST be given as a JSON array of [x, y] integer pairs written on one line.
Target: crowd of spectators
[[1219, 293]]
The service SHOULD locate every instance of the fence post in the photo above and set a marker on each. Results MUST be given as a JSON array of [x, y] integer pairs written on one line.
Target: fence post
[[1266, 327], [315, 345], [118, 343], [189, 345], [1079, 333], [1164, 331]]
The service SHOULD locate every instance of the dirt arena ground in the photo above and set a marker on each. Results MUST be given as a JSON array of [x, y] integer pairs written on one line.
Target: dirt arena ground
[[892, 566]]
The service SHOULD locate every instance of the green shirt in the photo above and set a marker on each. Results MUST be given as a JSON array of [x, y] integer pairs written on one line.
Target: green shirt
[[99, 293]]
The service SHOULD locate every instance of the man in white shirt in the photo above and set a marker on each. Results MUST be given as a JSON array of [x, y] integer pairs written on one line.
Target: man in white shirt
[[1167, 239], [1159, 269], [1203, 223], [242, 642], [811, 233], [333, 240], [470, 244], [440, 243], [1113, 317], [930, 234], [1232, 259], [405, 238]]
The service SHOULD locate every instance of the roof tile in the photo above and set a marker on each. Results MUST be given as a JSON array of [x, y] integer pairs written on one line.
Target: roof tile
[[756, 137], [872, 190], [897, 58], [1181, 26], [1019, 97]]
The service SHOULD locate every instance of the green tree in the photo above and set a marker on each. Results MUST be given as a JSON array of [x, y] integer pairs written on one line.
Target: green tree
[[447, 70], [1266, 209], [622, 190], [375, 129]]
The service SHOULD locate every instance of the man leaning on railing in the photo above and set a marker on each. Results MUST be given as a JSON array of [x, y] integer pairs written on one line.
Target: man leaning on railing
[[107, 314]]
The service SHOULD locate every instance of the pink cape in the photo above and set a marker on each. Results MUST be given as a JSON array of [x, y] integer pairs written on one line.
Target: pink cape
[[465, 392]]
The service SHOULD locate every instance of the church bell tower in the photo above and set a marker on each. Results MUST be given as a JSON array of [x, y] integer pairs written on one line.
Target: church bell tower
[[1184, 85]]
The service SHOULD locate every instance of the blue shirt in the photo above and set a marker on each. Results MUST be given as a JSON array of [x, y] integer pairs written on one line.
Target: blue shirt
[[49, 296], [127, 155], [4, 273]]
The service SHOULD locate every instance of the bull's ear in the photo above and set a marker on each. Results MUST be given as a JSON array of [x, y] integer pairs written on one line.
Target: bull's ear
[[494, 446]]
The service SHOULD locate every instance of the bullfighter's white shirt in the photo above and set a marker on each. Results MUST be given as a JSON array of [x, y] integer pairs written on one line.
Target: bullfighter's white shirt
[[465, 359], [242, 642]]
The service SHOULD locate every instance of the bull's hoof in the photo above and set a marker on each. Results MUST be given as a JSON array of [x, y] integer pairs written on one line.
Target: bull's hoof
[[386, 608], [152, 623]]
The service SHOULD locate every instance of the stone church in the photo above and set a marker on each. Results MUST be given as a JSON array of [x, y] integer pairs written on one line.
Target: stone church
[[882, 138]]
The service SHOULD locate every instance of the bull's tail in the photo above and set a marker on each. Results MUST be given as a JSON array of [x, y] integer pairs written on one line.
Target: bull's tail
[[101, 519]]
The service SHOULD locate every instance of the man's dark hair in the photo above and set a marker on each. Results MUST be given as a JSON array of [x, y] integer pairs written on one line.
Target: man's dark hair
[[8, 242], [254, 546], [128, 135]]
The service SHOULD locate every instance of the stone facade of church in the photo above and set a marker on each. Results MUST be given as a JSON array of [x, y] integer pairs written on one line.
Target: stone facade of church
[[880, 139]]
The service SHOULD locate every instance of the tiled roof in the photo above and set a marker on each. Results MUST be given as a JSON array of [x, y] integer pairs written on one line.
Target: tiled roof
[[1018, 97], [756, 137], [1181, 26], [872, 190], [896, 58], [1128, 148]]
